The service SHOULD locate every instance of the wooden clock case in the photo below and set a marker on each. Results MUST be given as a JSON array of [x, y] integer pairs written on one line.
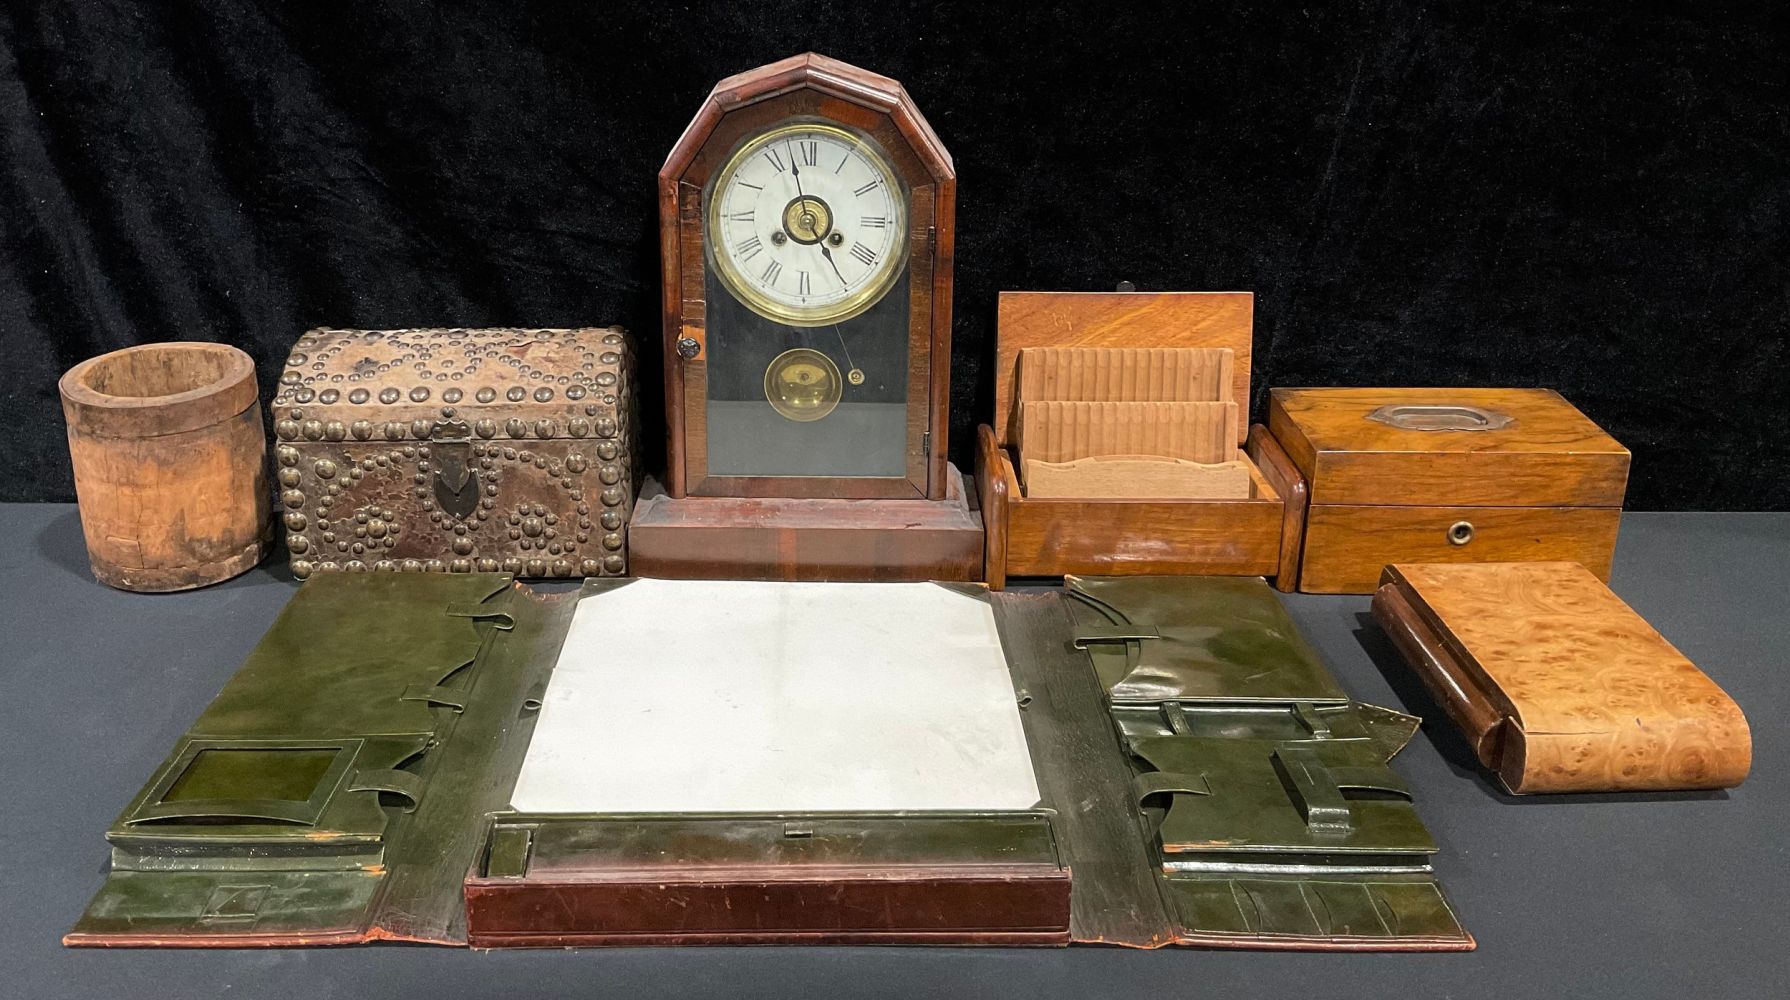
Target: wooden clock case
[[1054, 536], [697, 524]]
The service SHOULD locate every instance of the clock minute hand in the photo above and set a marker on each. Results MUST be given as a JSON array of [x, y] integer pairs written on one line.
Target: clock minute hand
[[796, 172]]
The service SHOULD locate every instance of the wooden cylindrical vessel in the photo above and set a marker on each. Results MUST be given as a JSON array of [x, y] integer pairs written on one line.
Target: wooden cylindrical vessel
[[170, 463]]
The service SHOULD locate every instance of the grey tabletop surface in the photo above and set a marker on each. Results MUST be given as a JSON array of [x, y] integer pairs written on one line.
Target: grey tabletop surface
[[1629, 896]]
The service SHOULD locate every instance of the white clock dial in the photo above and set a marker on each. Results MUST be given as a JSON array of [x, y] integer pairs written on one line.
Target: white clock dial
[[807, 225]]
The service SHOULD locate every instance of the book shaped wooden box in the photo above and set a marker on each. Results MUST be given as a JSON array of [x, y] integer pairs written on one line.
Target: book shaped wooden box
[[1030, 534], [1557, 684], [455, 759]]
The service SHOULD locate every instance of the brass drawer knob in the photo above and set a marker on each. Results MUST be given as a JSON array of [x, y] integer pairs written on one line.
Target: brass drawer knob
[[1460, 532]]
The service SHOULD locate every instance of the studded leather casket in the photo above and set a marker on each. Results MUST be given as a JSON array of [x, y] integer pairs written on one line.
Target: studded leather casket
[[500, 450]]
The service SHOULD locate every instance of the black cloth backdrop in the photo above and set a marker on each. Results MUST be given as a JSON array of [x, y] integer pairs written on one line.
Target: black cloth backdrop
[[1587, 196]]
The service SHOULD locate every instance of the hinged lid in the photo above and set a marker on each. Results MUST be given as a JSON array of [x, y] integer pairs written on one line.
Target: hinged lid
[[1486, 447], [337, 379], [1118, 319]]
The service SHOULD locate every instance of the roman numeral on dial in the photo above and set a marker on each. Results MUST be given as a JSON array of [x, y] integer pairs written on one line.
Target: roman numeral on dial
[[750, 248], [874, 222], [746, 216], [809, 153], [776, 159], [771, 271], [801, 282], [864, 254], [866, 189]]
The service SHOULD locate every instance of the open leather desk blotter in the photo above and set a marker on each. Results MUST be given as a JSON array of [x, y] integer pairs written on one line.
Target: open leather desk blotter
[[458, 760]]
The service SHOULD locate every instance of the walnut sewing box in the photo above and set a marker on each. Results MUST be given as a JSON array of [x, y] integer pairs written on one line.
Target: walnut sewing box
[[1054, 536], [457, 450], [1444, 476]]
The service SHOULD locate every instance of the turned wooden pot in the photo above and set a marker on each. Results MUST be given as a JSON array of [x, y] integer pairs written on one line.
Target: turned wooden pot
[[170, 464]]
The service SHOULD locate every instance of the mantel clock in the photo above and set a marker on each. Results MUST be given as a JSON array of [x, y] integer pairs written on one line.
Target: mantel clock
[[806, 222]]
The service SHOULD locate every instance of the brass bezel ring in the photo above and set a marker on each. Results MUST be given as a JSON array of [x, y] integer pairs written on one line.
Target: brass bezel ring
[[755, 299]]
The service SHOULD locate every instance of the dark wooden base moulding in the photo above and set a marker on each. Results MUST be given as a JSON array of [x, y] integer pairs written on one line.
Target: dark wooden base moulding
[[709, 538]]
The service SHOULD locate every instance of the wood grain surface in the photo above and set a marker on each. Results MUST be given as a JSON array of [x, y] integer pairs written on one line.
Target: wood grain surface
[[1067, 430], [718, 538], [1126, 374], [1592, 697], [1347, 546], [1141, 477], [1550, 454], [170, 458], [1117, 319], [1051, 536], [1283, 475]]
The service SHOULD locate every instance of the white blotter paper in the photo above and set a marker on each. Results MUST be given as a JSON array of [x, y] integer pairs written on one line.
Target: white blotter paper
[[738, 696]]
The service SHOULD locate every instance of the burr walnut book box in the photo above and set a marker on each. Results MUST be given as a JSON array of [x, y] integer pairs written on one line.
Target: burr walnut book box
[[1444, 476], [1036, 535], [1557, 684]]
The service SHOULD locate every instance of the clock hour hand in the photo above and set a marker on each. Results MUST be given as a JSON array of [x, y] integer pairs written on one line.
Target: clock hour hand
[[828, 254]]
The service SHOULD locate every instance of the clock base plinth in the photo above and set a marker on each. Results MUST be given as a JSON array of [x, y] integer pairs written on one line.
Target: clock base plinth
[[733, 538]]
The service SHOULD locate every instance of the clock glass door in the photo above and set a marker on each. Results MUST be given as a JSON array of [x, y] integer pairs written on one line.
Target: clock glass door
[[811, 372]]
